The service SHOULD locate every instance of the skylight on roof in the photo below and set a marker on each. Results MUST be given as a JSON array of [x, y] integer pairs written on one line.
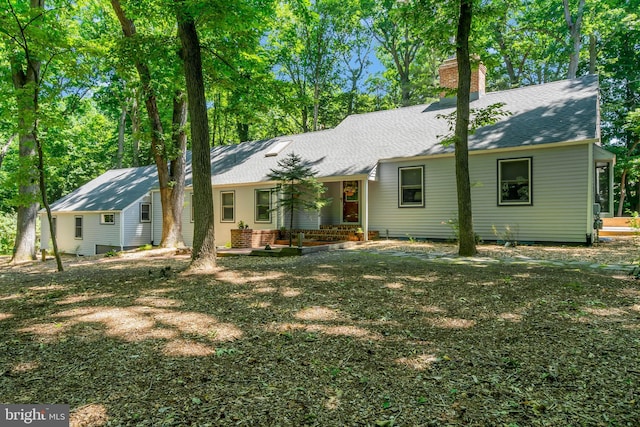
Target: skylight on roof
[[276, 149]]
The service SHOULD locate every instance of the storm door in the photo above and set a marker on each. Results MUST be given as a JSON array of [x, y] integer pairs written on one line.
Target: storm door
[[350, 201]]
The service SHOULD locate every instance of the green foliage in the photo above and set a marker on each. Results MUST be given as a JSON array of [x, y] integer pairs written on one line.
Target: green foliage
[[298, 187], [112, 253], [7, 232], [454, 225], [479, 117], [508, 236], [634, 221]]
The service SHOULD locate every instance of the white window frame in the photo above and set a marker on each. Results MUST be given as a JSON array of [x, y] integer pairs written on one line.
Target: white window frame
[[78, 236], [148, 212], [103, 218], [502, 183], [256, 193], [402, 187], [223, 206]]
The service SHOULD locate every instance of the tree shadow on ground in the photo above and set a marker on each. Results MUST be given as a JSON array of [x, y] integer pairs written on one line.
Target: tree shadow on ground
[[347, 338]]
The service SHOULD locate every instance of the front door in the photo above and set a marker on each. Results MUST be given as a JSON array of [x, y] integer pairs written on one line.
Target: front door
[[350, 201]]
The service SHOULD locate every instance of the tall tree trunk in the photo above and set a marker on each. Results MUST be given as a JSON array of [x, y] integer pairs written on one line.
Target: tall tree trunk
[[593, 53], [467, 243], [623, 193], [45, 202], [243, 130], [316, 105], [121, 129], [575, 33], [25, 72], [513, 78], [170, 236], [204, 249], [135, 129], [177, 167]]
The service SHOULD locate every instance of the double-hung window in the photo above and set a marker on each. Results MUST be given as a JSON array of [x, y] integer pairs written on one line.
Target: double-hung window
[[411, 187], [228, 206], [78, 227], [514, 182], [263, 206], [145, 212]]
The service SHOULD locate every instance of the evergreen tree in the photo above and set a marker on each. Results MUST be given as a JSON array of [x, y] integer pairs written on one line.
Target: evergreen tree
[[298, 188]]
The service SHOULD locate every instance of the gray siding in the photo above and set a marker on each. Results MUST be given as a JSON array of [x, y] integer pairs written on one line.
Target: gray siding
[[332, 213], [135, 232], [560, 190], [187, 220]]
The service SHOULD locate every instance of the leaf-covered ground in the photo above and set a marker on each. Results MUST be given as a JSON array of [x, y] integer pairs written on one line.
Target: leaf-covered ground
[[352, 337]]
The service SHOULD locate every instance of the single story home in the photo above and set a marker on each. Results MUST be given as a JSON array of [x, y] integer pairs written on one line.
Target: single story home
[[539, 175]]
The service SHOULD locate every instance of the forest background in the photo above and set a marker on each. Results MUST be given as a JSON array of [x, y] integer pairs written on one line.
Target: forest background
[[280, 67]]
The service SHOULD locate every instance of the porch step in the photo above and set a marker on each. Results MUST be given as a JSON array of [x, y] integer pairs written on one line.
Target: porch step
[[618, 221], [618, 226], [336, 233]]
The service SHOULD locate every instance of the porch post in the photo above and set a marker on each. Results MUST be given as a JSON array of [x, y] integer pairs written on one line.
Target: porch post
[[365, 208]]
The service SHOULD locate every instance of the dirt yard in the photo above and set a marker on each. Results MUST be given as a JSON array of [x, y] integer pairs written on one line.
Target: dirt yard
[[369, 336]]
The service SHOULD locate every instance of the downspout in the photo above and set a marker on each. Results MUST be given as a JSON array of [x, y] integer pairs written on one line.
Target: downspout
[[151, 216], [590, 192], [121, 231]]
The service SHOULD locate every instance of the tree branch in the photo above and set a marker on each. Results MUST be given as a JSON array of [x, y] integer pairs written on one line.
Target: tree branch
[[5, 147]]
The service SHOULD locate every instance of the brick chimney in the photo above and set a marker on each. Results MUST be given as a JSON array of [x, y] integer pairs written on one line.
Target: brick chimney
[[448, 72]]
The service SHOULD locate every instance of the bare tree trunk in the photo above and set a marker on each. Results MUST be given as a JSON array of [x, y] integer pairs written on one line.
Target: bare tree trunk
[[177, 166], [575, 28], [121, 129], [135, 129], [243, 131], [45, 202], [593, 53], [623, 193], [159, 147], [204, 249], [25, 72], [467, 243]]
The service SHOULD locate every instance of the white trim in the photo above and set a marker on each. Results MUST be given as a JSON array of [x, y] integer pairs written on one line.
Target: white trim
[[255, 206], [149, 212], [222, 206], [75, 227]]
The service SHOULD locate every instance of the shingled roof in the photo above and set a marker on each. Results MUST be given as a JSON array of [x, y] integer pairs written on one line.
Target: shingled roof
[[562, 111], [114, 190]]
